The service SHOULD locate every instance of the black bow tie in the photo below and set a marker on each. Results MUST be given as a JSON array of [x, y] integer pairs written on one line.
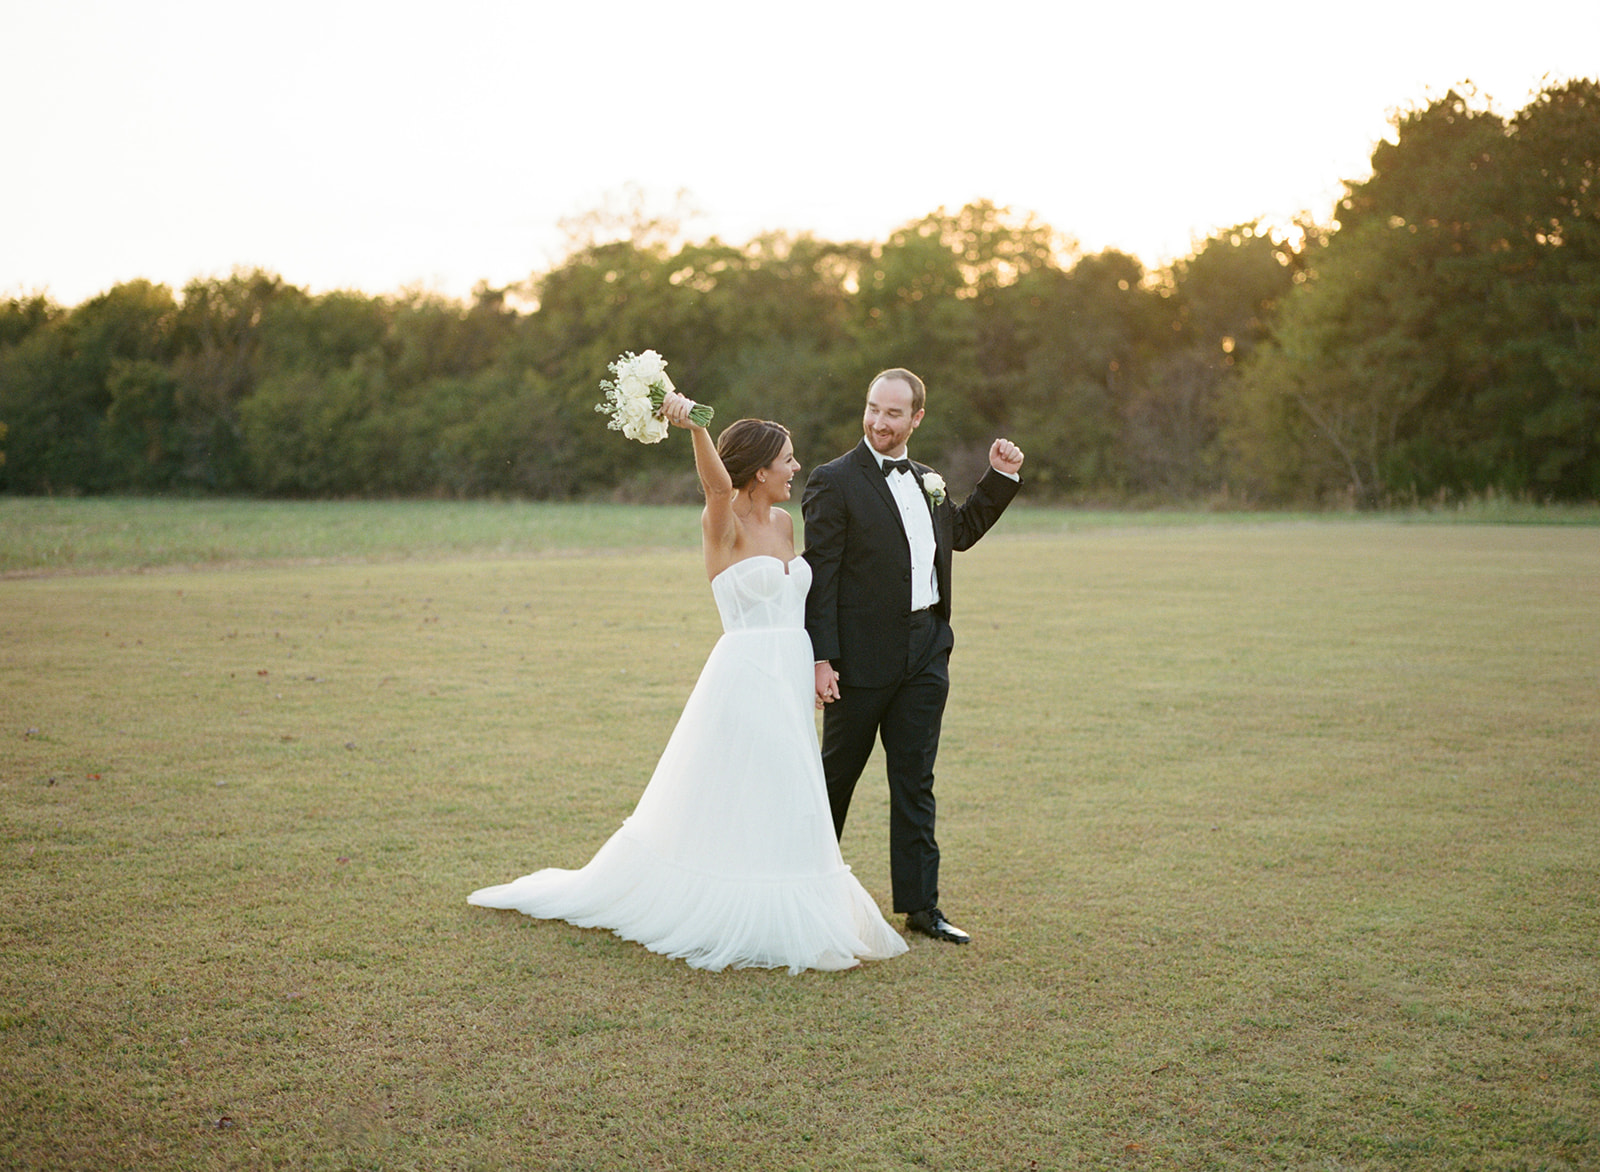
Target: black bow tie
[[896, 466]]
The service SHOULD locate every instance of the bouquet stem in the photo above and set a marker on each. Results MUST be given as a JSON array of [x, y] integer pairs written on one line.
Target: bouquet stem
[[699, 415]]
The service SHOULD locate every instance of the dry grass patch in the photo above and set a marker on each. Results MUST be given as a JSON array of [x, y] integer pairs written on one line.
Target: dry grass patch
[[1278, 842]]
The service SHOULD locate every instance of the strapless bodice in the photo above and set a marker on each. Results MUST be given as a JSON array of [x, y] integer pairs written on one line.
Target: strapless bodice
[[761, 593]]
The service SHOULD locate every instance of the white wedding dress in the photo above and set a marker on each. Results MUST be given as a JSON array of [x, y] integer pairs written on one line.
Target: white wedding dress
[[730, 859]]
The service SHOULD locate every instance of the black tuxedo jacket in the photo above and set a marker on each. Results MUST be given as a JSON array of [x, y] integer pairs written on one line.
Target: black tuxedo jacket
[[858, 612]]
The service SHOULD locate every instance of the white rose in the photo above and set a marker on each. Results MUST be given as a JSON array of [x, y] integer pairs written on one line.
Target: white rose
[[633, 414], [933, 485], [639, 421], [631, 387], [649, 366]]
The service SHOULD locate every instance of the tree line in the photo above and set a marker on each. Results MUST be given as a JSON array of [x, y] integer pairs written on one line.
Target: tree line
[[1436, 338]]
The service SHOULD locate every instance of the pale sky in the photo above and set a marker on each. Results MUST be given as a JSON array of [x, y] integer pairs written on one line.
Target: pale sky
[[384, 144]]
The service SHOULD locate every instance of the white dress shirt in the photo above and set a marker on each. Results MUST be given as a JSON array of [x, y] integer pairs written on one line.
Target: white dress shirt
[[918, 522]]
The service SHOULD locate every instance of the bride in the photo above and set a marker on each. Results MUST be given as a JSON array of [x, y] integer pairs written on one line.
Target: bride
[[730, 858]]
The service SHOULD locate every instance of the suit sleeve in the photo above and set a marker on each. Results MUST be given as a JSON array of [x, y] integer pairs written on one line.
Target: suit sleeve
[[972, 518], [822, 508]]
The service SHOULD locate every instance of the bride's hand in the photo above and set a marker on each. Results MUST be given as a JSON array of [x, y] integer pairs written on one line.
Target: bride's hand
[[675, 409]]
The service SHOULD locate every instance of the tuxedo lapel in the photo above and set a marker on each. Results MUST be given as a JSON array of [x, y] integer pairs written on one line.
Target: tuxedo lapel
[[933, 513], [878, 484]]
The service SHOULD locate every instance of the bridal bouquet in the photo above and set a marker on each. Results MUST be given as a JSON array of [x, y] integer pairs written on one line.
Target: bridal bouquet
[[635, 395]]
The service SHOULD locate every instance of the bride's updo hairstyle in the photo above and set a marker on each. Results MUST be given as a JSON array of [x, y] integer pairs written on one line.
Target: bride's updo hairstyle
[[749, 445]]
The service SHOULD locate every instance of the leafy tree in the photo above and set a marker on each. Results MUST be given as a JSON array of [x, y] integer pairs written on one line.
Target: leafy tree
[[55, 386], [317, 376], [1441, 339], [430, 337], [1551, 352], [1358, 351], [1085, 335], [1445, 341], [296, 430], [511, 437], [1379, 357], [143, 435], [222, 331], [21, 316], [1222, 299]]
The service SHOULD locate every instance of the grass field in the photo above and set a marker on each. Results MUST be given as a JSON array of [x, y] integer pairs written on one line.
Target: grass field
[[48, 535], [1280, 839]]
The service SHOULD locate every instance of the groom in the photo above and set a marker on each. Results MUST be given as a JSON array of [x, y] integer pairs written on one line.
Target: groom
[[879, 532]]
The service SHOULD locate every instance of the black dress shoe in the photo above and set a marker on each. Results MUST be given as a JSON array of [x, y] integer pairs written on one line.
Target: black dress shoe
[[932, 923]]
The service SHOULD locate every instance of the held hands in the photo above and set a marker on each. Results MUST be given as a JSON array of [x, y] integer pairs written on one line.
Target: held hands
[[827, 683], [1005, 456], [675, 409]]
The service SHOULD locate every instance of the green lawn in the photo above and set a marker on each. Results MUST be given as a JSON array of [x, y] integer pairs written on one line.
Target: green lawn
[[99, 534], [1277, 838]]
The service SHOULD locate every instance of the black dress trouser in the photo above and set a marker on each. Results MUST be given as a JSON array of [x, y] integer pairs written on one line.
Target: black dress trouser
[[907, 716]]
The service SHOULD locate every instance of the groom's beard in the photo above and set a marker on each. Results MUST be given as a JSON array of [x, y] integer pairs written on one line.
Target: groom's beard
[[895, 443]]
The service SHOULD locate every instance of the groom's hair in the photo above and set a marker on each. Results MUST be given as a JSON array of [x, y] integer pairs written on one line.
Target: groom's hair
[[749, 445], [919, 393]]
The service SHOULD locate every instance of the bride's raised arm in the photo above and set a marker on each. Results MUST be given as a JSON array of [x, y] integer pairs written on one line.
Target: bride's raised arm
[[717, 522]]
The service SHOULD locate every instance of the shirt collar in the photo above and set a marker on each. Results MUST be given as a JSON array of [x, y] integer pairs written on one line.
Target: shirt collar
[[880, 457]]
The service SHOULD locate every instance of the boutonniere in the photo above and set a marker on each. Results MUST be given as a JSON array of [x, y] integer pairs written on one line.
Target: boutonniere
[[933, 485]]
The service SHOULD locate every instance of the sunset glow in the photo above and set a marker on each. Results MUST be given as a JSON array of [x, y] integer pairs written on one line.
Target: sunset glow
[[377, 146]]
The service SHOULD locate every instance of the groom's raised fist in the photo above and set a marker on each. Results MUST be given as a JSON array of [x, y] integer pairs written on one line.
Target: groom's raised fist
[[1005, 456]]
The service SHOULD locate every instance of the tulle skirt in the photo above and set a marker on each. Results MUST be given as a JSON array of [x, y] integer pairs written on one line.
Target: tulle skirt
[[729, 858]]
